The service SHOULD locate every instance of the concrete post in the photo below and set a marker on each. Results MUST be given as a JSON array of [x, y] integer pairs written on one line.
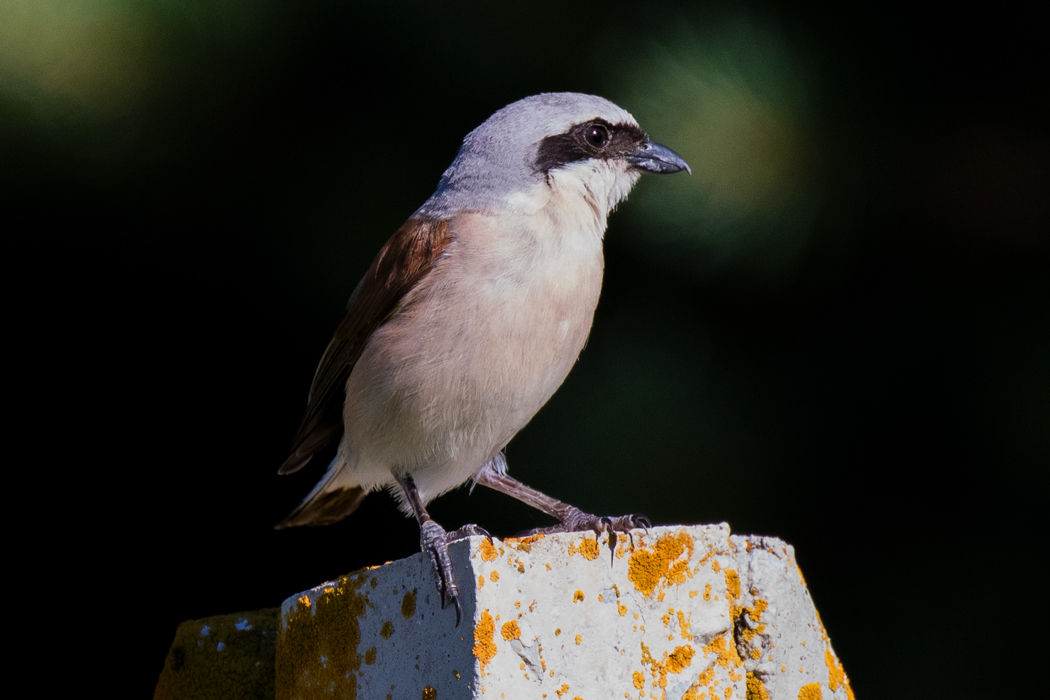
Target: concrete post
[[682, 613]]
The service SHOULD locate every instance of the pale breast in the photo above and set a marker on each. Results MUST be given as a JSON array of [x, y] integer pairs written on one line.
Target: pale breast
[[480, 344]]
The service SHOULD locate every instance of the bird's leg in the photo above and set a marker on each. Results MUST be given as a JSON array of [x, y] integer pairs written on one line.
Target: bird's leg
[[434, 541], [570, 518]]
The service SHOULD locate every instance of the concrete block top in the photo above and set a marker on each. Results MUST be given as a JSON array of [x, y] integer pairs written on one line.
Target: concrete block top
[[682, 613]]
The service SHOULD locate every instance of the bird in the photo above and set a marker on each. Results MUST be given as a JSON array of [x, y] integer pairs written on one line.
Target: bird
[[470, 318]]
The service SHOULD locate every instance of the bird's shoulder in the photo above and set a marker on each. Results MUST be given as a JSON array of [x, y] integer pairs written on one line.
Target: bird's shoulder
[[400, 264]]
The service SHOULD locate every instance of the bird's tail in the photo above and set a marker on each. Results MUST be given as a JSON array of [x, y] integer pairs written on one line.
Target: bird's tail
[[332, 499]]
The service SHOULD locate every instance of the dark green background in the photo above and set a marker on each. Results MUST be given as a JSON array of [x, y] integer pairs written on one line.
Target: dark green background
[[860, 367]]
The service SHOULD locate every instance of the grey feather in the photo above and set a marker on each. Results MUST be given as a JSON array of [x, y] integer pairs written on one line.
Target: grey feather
[[496, 158]]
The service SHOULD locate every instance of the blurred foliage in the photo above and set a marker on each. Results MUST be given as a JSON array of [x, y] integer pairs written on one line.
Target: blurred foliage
[[732, 94], [62, 55]]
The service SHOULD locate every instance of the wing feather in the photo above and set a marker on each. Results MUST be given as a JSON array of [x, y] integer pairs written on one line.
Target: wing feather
[[405, 259]]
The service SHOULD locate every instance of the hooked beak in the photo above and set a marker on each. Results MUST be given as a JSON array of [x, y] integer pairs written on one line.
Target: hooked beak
[[656, 158]]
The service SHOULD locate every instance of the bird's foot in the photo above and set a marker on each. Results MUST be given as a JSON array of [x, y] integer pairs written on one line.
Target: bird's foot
[[575, 520], [434, 541], [468, 531]]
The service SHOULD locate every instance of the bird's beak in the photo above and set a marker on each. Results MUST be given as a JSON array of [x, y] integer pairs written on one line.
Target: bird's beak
[[656, 158]]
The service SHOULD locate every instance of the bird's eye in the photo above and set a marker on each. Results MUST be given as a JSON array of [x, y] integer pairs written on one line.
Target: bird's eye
[[597, 135]]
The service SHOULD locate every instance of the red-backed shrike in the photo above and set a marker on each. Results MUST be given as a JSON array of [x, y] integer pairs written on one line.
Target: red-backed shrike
[[472, 315]]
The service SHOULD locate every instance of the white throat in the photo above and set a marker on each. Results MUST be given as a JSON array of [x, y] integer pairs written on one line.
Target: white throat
[[591, 189]]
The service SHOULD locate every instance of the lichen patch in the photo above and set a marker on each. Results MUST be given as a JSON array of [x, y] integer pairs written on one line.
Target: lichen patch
[[663, 566], [837, 674], [487, 550], [484, 642], [810, 691], [510, 630], [314, 643], [755, 689], [408, 604]]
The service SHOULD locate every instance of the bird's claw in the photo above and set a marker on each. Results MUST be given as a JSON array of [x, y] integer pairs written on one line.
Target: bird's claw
[[578, 521], [468, 531], [434, 541]]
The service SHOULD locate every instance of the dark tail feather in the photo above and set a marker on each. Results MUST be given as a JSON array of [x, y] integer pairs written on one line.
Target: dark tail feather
[[311, 439], [325, 508]]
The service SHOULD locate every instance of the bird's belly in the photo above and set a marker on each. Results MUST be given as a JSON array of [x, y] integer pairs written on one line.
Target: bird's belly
[[466, 364]]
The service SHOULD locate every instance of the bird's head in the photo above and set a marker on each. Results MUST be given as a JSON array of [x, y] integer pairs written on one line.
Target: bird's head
[[576, 143]]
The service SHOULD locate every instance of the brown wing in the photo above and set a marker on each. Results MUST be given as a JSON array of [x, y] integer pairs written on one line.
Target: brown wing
[[401, 263]]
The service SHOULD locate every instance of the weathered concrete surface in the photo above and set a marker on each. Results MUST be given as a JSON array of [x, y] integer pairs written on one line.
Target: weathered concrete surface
[[227, 657], [683, 613]]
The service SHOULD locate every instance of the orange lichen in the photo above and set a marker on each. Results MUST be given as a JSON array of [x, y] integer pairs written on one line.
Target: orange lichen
[[648, 570], [370, 656], [487, 550], [639, 679], [754, 613], [707, 591], [647, 656], [836, 674], [510, 630], [810, 691], [696, 690], [386, 630], [484, 644], [577, 596], [675, 662], [621, 608], [589, 549], [679, 659], [494, 576], [756, 690], [564, 689], [430, 693], [408, 604], [683, 625], [579, 639], [732, 583], [523, 544], [727, 656]]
